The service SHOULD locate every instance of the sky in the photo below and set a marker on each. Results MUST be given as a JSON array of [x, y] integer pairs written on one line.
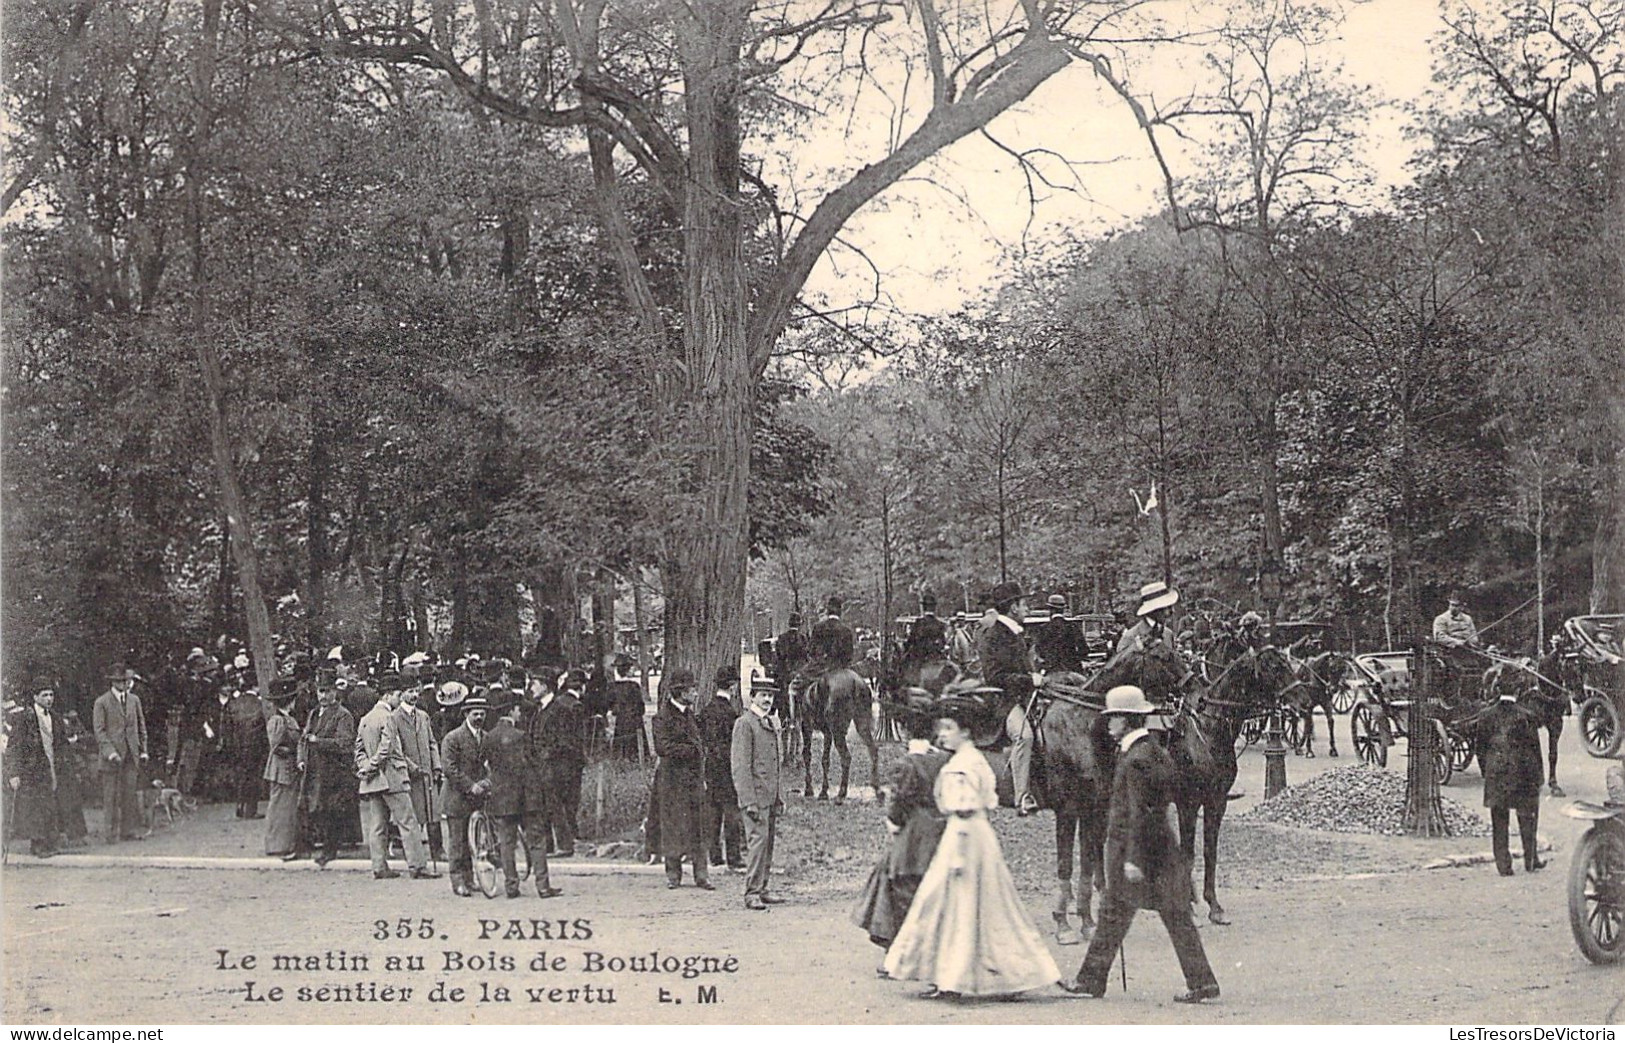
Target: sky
[[940, 246]]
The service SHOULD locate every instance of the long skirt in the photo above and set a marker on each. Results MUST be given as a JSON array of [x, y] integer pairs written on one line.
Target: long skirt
[[967, 931], [884, 903], [282, 820]]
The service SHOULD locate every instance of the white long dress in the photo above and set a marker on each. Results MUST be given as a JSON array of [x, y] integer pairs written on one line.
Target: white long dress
[[967, 931]]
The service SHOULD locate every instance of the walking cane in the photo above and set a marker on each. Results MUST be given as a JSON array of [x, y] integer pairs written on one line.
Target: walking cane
[[1122, 963]]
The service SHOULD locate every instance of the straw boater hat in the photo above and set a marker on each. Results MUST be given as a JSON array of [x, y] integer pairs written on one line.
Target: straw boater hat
[[1056, 601], [475, 702], [1154, 596], [452, 693]]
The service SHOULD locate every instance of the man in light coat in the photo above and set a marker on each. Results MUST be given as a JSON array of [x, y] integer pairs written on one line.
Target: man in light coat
[[754, 757], [121, 741], [423, 769], [386, 792]]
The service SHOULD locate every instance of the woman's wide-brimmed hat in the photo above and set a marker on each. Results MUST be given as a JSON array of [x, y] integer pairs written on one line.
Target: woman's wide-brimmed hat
[[1154, 596], [971, 703]]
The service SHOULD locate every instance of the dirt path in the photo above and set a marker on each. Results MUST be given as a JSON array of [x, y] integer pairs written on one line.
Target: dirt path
[[140, 944]]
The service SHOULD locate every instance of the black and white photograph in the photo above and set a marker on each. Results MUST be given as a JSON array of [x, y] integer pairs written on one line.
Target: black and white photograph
[[813, 513]]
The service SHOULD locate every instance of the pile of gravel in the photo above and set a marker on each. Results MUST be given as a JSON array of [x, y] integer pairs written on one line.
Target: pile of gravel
[[1357, 799]]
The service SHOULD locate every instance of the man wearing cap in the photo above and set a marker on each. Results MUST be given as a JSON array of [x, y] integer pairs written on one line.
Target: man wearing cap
[[282, 772], [723, 831], [121, 741], [1453, 627], [1509, 753], [36, 766], [327, 763], [422, 756], [1156, 603], [1145, 867], [753, 768], [385, 789], [1007, 665], [679, 787], [1059, 643], [463, 787], [187, 739]]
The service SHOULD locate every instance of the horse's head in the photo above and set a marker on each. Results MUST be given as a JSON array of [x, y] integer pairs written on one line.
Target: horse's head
[[1156, 670]]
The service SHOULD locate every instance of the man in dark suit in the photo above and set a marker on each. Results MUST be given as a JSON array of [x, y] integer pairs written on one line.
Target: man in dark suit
[[1059, 644], [1509, 752], [36, 765], [790, 651], [723, 831], [1144, 864], [679, 789], [927, 636], [507, 764], [463, 788], [121, 740], [327, 761], [1007, 665], [556, 740], [834, 644]]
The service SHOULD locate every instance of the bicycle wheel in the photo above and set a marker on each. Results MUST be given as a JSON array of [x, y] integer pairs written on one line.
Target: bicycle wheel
[[482, 846], [521, 854]]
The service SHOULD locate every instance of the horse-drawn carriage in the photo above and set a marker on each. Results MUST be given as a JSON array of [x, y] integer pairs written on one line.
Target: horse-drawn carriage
[[1590, 657], [1382, 694]]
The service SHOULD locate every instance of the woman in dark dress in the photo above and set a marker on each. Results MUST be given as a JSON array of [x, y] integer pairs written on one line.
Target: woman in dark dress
[[915, 825]]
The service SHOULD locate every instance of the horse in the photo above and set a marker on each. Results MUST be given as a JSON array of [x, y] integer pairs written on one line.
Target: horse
[[840, 698], [1315, 681], [1073, 763], [1546, 691], [1203, 747]]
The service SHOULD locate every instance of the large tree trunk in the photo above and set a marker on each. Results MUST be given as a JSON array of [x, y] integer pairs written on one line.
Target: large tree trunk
[[705, 571], [232, 500]]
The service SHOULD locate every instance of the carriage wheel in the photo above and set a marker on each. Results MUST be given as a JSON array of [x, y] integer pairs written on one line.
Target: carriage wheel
[[1342, 698], [1443, 770], [1367, 737], [1292, 726], [1597, 894], [482, 846], [1461, 752], [1600, 726]]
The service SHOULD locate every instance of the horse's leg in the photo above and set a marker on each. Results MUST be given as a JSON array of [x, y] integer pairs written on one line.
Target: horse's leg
[[1187, 841], [829, 740], [1212, 819], [806, 754], [867, 734], [841, 747], [1092, 861], [1554, 732], [1066, 830], [1331, 726], [1308, 747]]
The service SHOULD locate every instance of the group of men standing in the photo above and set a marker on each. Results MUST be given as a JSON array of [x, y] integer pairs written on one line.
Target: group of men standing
[[717, 783]]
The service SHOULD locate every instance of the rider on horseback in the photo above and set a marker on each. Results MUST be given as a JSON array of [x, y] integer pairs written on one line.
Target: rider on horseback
[[927, 636], [834, 644], [1156, 604], [1059, 643], [1006, 664]]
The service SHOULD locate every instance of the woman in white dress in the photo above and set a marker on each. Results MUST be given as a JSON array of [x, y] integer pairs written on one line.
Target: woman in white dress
[[967, 933]]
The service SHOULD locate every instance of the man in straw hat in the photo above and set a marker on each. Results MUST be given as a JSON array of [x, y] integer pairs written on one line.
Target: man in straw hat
[[1156, 604], [121, 741], [1144, 864]]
